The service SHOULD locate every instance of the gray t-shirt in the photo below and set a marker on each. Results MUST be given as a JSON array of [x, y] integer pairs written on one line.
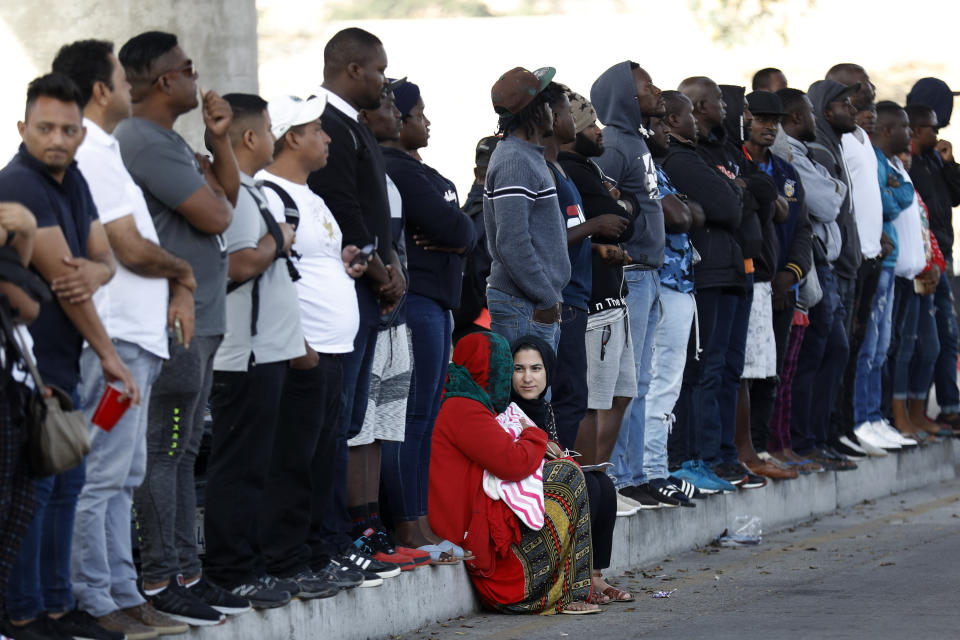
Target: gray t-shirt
[[279, 336], [164, 167]]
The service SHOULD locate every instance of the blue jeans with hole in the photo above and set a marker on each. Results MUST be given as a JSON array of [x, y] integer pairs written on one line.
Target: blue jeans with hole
[[512, 317], [925, 352], [643, 307], [669, 357]]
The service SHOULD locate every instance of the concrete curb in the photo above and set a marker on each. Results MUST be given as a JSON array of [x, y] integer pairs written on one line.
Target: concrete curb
[[421, 597]]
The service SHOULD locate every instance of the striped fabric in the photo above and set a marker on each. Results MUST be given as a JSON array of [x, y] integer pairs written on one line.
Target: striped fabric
[[519, 191], [525, 498]]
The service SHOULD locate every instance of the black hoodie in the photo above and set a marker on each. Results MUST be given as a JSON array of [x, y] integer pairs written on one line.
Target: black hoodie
[[721, 263], [828, 152], [608, 288]]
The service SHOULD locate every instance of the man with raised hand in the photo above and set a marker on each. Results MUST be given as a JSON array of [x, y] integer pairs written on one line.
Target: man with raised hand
[[191, 201]]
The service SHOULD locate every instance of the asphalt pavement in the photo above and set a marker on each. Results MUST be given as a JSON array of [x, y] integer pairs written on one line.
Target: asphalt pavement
[[882, 569]]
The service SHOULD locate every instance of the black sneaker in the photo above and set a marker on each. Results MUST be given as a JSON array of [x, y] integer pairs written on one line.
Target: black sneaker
[[42, 628], [181, 605], [263, 594], [356, 558], [732, 473], [310, 585], [220, 599], [637, 494], [342, 576], [668, 494], [80, 625], [753, 481], [687, 488]]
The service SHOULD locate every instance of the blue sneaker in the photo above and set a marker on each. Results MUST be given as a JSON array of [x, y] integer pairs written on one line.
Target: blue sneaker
[[718, 482], [690, 472]]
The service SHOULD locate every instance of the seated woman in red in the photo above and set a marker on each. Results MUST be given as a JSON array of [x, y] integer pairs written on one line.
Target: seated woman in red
[[516, 569]]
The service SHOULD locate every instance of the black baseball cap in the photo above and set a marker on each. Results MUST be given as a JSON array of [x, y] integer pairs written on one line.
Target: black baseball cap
[[765, 103], [485, 149]]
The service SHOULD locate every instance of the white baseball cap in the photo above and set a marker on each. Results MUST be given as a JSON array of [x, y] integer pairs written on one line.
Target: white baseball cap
[[287, 112]]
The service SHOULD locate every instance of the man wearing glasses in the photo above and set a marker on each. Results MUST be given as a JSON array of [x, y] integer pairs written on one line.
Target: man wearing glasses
[[191, 201]]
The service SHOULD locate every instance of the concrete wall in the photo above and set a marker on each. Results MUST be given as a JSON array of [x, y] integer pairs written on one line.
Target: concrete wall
[[219, 35], [430, 594]]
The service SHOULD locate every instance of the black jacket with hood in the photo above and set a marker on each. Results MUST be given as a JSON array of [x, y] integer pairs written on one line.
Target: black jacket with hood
[[627, 160], [721, 263], [828, 152], [761, 191]]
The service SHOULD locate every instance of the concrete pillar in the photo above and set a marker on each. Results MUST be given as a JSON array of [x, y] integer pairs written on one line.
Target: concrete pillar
[[219, 35]]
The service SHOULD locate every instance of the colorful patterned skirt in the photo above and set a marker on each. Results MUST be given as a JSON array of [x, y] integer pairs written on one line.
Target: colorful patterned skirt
[[557, 560]]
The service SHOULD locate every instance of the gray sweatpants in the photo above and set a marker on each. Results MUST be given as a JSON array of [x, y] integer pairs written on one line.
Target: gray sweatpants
[[166, 502]]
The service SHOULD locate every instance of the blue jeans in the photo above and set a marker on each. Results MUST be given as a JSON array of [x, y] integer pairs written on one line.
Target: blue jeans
[[697, 429], [669, 356], [40, 579], [512, 317], [906, 322], [406, 464], [643, 307], [102, 570], [569, 388], [730, 380], [819, 367], [873, 352], [925, 352], [945, 371]]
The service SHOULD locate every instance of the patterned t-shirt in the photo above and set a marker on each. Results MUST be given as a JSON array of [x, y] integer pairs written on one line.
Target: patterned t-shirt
[[677, 269]]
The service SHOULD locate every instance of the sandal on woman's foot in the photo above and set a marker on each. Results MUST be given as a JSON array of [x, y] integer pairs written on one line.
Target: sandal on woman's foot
[[598, 597], [455, 551], [438, 555], [617, 595], [580, 612]]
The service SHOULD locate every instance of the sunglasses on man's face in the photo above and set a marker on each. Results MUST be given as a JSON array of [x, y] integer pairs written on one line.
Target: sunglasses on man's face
[[186, 69]]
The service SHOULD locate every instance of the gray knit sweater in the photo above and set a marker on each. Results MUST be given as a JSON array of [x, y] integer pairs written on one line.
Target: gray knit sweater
[[526, 235]]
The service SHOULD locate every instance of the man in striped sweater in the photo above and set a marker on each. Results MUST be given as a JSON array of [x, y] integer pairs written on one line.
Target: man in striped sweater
[[526, 234]]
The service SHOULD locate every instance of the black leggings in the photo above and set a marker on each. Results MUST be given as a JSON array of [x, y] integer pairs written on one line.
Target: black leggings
[[603, 516]]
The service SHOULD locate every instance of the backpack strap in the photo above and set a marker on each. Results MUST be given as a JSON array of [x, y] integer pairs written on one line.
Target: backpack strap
[[290, 209], [273, 228]]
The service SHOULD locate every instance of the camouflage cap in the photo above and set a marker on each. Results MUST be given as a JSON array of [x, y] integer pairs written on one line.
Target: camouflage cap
[[584, 114]]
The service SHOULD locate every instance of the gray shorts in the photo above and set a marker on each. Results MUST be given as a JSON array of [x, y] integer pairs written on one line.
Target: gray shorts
[[386, 417], [610, 365]]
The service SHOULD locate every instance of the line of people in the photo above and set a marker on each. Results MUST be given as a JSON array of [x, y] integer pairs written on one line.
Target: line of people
[[713, 290]]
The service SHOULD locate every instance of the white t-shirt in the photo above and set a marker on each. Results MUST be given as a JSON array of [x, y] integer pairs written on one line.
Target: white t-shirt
[[329, 313], [131, 307], [867, 206], [911, 253]]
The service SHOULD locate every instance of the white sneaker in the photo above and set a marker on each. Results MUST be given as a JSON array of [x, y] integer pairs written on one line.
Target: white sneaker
[[887, 429], [867, 441], [626, 506], [847, 442], [872, 442]]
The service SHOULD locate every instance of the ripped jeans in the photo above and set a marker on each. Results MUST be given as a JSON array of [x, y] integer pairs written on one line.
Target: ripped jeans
[[669, 357]]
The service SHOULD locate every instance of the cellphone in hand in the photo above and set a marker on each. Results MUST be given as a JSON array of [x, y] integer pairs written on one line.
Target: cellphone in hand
[[178, 328], [365, 254]]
